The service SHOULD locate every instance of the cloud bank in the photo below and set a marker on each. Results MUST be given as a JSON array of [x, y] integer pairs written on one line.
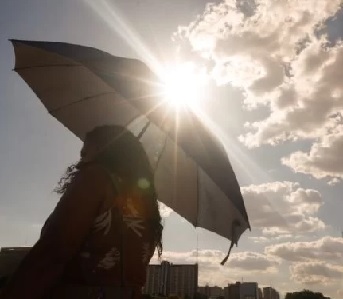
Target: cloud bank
[[280, 209], [279, 55], [316, 262]]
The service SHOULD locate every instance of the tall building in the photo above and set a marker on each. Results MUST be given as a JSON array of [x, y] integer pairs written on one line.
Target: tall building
[[211, 292], [226, 292], [270, 293], [183, 280], [204, 290], [169, 279], [152, 285], [243, 290], [260, 293], [234, 291], [249, 290]]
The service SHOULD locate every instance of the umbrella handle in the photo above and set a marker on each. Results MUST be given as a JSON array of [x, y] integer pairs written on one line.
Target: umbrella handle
[[235, 224], [228, 254]]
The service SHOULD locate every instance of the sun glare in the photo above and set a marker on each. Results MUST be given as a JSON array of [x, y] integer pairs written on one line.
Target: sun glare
[[183, 85]]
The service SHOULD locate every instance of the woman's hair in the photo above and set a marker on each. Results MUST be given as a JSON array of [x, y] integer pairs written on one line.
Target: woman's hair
[[120, 152]]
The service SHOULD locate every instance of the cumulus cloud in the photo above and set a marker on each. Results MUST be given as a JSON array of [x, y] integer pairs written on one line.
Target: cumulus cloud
[[311, 273], [325, 249], [210, 259], [274, 56], [323, 159], [260, 239], [282, 208], [318, 262], [204, 256], [253, 261], [278, 54], [306, 105]]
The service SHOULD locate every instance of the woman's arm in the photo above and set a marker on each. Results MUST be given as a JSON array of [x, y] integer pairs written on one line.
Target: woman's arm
[[62, 238]]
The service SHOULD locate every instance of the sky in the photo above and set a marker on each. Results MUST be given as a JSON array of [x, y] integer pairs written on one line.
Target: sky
[[275, 92]]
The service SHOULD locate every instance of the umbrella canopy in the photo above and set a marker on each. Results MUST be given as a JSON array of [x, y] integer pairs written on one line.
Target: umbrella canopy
[[83, 88]]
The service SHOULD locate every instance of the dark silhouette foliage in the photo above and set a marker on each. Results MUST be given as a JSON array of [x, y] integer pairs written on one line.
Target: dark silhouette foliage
[[305, 294]]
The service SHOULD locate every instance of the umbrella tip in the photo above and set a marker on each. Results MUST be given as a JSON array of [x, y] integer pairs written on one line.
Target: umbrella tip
[[224, 260], [12, 41]]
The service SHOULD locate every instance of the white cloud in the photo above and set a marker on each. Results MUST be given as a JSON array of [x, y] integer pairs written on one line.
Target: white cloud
[[311, 273], [270, 37], [204, 256], [276, 57], [318, 264], [279, 209], [253, 261], [323, 160], [325, 249], [306, 105], [260, 239]]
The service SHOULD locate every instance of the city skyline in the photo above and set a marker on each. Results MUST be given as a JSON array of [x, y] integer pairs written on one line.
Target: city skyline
[[165, 279]]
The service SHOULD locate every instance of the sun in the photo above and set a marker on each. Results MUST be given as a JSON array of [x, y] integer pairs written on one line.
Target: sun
[[183, 85]]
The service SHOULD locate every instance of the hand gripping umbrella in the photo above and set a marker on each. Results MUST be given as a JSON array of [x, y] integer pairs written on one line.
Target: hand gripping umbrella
[[83, 88]]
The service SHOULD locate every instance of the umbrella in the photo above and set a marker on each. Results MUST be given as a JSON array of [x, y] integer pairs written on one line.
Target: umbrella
[[83, 87]]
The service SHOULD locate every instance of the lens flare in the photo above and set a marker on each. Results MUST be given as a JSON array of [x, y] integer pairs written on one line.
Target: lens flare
[[183, 85]]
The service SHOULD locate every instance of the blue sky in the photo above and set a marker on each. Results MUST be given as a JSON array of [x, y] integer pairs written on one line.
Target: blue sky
[[300, 247]]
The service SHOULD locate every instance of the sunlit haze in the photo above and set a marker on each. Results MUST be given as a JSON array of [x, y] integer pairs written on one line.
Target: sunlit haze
[[183, 85]]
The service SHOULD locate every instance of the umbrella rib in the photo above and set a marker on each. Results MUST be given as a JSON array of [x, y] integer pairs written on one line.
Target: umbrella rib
[[146, 126], [79, 101], [45, 66], [161, 152]]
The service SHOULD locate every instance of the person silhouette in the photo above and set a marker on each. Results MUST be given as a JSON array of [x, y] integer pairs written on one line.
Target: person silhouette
[[98, 241]]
